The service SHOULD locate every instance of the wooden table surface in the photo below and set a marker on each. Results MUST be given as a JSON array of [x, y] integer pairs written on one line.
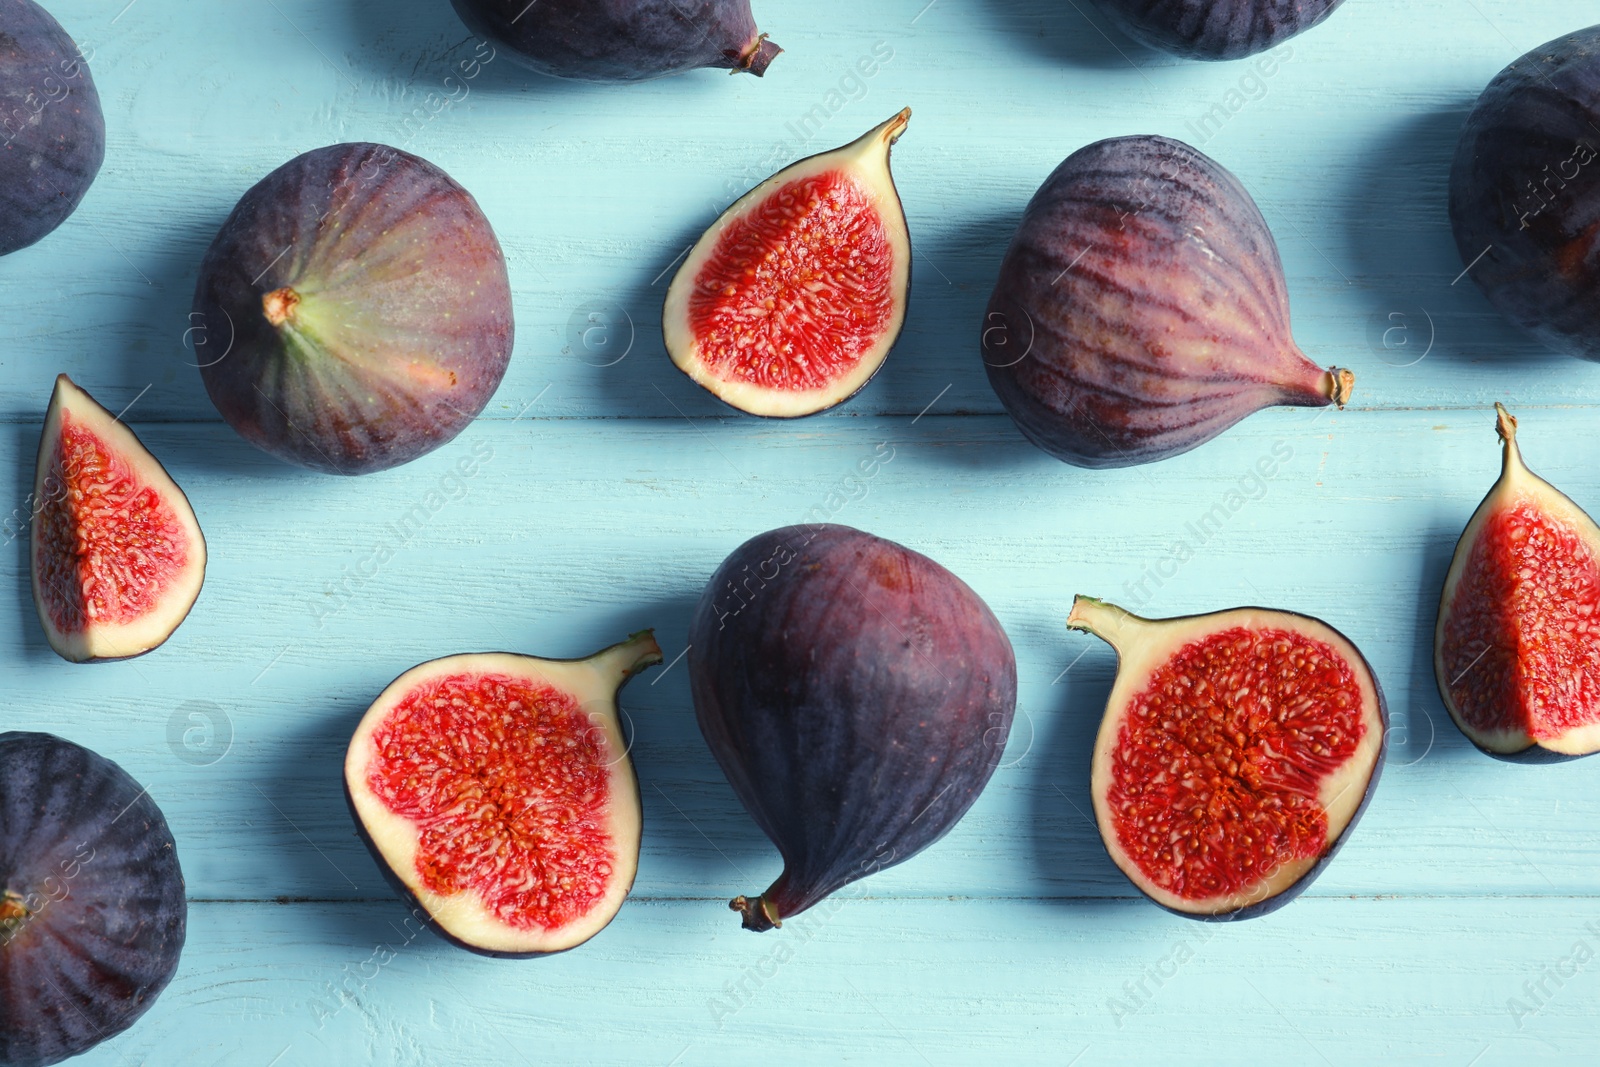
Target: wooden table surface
[[1458, 926]]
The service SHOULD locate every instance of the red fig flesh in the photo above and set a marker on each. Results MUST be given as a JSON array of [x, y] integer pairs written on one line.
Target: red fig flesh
[[1141, 309], [1517, 645], [792, 300], [497, 793], [1237, 750], [118, 557]]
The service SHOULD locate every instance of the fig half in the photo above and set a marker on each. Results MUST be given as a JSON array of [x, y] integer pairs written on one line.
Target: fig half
[[857, 695], [1517, 643], [1237, 751], [793, 298], [497, 793], [354, 309], [92, 908], [622, 40], [1141, 309], [118, 557]]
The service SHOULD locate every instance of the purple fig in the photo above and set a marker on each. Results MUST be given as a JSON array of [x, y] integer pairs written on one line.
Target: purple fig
[[52, 131], [1525, 193], [857, 695], [1141, 309], [622, 40], [354, 310], [1216, 29]]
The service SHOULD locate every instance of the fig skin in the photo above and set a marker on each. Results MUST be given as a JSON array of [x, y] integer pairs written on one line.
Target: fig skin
[[1128, 635], [1525, 193], [52, 130], [622, 40], [89, 845], [354, 309], [858, 697], [1141, 309], [1216, 29]]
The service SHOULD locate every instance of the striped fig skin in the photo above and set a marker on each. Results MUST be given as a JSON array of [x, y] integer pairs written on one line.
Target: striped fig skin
[[52, 130], [354, 311], [1141, 309], [857, 695], [1216, 29], [92, 907], [1525, 193]]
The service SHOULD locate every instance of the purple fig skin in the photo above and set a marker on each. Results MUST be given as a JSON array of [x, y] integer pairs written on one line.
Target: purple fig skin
[[354, 311], [1525, 193], [857, 695], [1141, 309], [92, 908], [1216, 29], [52, 131], [622, 40]]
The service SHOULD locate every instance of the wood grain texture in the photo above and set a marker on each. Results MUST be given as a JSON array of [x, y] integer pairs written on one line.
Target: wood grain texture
[[613, 488]]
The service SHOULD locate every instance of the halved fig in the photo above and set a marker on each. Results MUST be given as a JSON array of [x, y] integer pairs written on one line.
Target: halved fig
[[118, 557], [1517, 643], [792, 299], [497, 794], [1237, 751], [92, 908]]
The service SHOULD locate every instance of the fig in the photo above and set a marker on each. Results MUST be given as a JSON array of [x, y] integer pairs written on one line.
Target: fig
[[52, 131], [1516, 648], [118, 557], [857, 695], [1216, 29], [92, 908], [1237, 751], [497, 794], [1141, 309], [354, 312], [622, 40], [792, 299], [1525, 193]]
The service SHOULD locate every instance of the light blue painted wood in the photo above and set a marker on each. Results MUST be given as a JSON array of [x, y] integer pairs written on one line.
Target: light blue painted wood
[[613, 491]]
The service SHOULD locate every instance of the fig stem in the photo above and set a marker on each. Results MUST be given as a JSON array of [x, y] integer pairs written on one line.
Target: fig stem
[[756, 58], [279, 305], [627, 658], [1505, 424], [13, 913], [759, 914], [1103, 619], [1341, 382]]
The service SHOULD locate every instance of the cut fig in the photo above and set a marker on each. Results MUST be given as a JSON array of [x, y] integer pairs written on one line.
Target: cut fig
[[622, 40], [1141, 309], [497, 794], [793, 298], [354, 311], [857, 695], [1237, 751], [92, 908], [1517, 644], [118, 557]]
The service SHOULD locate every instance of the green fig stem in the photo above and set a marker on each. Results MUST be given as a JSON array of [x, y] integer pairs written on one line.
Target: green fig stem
[[759, 914], [628, 658], [1105, 620], [1505, 424], [279, 305]]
